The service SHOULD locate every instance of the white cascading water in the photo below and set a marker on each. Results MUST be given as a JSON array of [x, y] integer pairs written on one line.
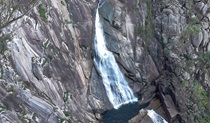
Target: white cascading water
[[156, 118], [117, 88]]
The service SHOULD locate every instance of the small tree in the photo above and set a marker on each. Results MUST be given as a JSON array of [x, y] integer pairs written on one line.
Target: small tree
[[204, 60], [190, 31]]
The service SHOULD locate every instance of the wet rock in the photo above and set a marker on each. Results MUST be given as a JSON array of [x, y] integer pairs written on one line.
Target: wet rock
[[117, 21], [143, 112], [106, 10], [98, 116], [142, 117], [139, 117], [98, 98], [136, 87], [147, 119]]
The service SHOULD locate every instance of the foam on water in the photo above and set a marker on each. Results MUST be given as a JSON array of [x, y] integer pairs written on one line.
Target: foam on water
[[156, 118]]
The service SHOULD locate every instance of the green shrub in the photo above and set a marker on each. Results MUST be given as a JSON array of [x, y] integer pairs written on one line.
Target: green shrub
[[190, 31], [148, 30], [68, 8], [2, 108], [63, 120], [66, 113], [203, 103], [42, 13], [3, 43], [65, 96], [208, 10], [204, 60], [194, 20], [45, 44]]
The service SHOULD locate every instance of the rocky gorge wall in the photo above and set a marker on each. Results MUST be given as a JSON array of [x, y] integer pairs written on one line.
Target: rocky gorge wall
[[46, 69], [162, 47]]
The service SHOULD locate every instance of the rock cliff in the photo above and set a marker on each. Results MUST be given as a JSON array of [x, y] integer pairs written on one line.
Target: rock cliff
[[162, 47]]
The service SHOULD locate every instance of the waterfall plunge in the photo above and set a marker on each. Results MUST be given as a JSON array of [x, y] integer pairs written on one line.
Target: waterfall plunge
[[156, 118], [117, 88]]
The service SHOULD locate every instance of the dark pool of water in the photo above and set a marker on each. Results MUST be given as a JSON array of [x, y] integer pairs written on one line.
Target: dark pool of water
[[123, 114]]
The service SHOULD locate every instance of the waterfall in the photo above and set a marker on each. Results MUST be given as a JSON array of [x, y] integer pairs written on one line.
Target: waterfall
[[117, 88], [156, 118]]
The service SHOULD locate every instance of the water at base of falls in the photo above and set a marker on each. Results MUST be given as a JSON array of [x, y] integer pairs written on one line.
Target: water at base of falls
[[123, 114], [156, 118], [117, 88]]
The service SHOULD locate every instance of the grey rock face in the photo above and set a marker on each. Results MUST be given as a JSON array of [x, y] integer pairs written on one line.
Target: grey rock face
[[197, 39], [51, 60]]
